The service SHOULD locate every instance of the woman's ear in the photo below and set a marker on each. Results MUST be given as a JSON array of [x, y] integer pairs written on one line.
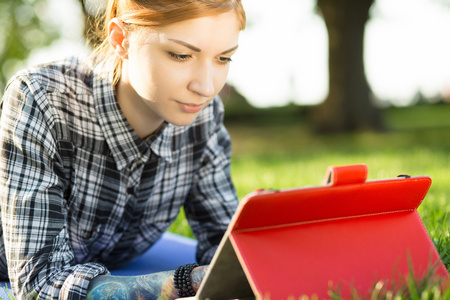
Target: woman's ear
[[117, 34]]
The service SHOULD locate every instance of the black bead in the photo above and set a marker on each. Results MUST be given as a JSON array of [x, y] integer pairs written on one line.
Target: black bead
[[182, 280]]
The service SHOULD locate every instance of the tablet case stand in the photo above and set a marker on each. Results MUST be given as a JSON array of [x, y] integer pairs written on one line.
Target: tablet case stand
[[349, 233]]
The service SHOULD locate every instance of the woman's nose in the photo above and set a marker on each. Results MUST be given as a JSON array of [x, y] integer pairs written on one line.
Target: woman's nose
[[202, 83]]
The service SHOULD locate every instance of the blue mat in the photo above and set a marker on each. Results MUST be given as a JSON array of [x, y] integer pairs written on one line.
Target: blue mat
[[166, 254]]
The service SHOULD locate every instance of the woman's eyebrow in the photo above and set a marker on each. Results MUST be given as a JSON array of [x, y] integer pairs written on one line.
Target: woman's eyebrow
[[230, 50], [186, 45], [192, 47]]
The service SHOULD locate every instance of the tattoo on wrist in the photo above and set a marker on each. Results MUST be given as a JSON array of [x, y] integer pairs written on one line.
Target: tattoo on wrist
[[151, 286], [197, 276]]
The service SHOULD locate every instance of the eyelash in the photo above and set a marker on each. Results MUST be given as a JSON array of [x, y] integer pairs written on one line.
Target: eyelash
[[225, 60], [185, 57], [179, 57]]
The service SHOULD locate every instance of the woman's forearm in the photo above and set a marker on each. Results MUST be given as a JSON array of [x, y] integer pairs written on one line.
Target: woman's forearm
[[152, 286]]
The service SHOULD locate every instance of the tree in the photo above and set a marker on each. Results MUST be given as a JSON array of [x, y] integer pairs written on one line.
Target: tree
[[348, 106], [22, 29]]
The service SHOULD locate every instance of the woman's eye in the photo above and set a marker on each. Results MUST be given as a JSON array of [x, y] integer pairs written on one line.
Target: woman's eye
[[225, 60], [179, 57]]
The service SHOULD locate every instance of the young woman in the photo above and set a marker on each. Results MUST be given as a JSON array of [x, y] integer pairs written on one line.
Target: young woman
[[99, 154]]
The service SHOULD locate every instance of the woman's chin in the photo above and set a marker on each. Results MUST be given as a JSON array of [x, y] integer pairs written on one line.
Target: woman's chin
[[185, 121]]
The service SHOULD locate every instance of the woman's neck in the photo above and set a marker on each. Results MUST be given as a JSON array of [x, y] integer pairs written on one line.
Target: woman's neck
[[141, 118]]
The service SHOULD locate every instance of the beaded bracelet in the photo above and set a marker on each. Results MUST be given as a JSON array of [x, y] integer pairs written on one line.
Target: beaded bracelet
[[182, 280]]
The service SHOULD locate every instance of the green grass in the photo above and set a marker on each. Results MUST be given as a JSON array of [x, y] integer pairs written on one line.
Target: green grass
[[280, 151]]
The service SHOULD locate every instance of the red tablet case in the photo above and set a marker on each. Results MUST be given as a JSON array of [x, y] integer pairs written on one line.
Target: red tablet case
[[348, 233]]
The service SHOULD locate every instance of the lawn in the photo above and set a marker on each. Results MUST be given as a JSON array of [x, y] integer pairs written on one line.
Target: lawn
[[277, 150]]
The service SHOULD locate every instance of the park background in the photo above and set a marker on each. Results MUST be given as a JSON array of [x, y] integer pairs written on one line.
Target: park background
[[315, 83]]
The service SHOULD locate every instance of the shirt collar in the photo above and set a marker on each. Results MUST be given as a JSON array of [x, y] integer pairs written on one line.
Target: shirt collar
[[161, 142], [124, 143]]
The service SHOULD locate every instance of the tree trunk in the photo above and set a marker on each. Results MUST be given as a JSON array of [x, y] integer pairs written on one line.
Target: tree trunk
[[348, 106]]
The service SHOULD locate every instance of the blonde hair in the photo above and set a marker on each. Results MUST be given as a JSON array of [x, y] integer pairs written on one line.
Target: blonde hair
[[155, 13]]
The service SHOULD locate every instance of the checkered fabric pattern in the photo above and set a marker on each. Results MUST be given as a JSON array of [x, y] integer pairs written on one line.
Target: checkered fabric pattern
[[80, 192]]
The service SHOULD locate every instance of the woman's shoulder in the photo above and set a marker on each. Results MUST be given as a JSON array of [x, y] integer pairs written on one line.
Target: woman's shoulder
[[61, 91], [69, 75]]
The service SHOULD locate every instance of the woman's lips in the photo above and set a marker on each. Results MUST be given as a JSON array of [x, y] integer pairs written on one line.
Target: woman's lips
[[189, 107]]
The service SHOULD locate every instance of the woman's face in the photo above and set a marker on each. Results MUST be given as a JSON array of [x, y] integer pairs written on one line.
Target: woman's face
[[178, 69]]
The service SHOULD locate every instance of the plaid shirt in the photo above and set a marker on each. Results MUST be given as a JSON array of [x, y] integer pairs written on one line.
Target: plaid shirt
[[80, 192]]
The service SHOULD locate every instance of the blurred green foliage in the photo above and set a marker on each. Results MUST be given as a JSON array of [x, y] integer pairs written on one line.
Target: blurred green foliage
[[25, 25]]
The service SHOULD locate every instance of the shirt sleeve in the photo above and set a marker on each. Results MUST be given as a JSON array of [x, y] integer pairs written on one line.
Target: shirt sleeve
[[213, 198], [33, 208]]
